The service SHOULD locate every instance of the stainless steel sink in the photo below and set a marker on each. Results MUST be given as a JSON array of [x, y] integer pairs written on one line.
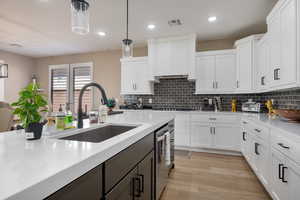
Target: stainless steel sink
[[99, 134]]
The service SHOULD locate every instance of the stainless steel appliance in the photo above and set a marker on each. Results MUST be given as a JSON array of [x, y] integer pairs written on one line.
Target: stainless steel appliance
[[164, 149], [251, 106]]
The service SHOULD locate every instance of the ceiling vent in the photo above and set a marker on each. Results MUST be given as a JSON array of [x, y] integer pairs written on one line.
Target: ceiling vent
[[174, 22]]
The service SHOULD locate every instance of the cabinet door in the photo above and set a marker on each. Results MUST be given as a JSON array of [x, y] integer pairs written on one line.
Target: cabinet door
[[244, 66], [126, 189], [263, 64], [225, 73], [227, 137], [293, 180], [279, 189], [182, 130], [142, 83], [146, 174], [201, 135], [288, 42], [261, 151], [244, 143], [205, 73], [274, 34], [127, 78], [88, 186]]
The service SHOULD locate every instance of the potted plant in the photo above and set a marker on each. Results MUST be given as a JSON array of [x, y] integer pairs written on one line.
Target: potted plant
[[111, 103], [28, 108]]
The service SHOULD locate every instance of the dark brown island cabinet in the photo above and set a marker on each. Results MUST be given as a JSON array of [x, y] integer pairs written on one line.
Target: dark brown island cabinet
[[129, 175]]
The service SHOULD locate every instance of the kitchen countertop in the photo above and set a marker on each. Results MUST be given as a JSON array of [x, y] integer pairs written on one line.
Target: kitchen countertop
[[36, 169], [289, 127]]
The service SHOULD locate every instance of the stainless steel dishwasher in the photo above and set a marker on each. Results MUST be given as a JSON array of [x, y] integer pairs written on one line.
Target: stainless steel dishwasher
[[164, 139]]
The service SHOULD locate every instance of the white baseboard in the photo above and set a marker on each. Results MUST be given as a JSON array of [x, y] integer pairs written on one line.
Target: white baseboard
[[205, 150]]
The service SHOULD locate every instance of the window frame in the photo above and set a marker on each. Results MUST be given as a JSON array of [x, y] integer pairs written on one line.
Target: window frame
[[70, 83]]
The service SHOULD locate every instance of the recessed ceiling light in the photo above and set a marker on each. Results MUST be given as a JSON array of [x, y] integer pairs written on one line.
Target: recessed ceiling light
[[102, 33], [151, 26], [212, 19]]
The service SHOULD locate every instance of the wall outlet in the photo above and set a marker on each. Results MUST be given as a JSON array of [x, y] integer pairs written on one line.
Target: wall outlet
[[150, 101]]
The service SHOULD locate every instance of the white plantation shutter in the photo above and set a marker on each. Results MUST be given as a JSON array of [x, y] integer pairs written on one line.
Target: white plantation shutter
[[66, 83], [59, 79], [82, 75]]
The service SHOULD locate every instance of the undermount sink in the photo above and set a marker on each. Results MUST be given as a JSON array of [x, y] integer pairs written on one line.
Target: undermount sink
[[99, 134]]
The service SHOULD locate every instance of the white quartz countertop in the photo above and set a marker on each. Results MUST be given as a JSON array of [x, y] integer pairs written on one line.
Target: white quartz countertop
[[36, 169]]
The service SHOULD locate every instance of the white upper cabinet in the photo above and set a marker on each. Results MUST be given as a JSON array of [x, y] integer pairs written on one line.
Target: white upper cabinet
[[172, 56], [262, 75], [246, 61], [282, 27], [135, 76], [215, 72]]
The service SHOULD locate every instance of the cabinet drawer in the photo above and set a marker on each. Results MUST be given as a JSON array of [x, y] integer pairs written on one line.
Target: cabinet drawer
[[258, 130], [118, 166], [214, 118], [88, 186], [285, 146]]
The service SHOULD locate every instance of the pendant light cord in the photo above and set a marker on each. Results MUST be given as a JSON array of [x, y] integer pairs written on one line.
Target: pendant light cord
[[127, 22]]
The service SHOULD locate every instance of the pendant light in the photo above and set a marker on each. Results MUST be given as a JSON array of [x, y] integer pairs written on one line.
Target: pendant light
[[3, 69], [127, 44], [80, 16]]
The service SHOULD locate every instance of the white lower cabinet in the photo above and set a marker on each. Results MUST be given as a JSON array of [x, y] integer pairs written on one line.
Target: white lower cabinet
[[201, 135], [215, 136], [279, 187], [285, 177], [227, 137], [182, 130], [293, 178], [261, 159]]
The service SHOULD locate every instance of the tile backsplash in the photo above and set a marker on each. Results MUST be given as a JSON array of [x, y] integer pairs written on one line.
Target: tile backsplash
[[179, 93]]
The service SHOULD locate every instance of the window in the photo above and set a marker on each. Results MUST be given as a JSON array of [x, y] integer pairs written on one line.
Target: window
[[65, 84]]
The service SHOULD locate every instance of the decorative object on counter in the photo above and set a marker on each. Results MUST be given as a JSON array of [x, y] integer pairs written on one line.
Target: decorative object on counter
[[111, 104], [251, 106], [80, 16], [60, 120], [233, 105], [269, 105], [3, 69], [28, 108], [94, 116], [69, 117], [103, 112], [127, 44], [293, 115]]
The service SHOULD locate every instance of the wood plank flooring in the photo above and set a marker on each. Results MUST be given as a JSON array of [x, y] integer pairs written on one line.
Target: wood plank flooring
[[203, 176]]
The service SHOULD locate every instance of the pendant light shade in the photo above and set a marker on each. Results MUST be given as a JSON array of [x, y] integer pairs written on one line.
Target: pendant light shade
[[127, 44], [3, 69], [80, 16], [127, 48]]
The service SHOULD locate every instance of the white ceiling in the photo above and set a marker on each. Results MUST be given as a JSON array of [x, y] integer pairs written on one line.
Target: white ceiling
[[42, 27]]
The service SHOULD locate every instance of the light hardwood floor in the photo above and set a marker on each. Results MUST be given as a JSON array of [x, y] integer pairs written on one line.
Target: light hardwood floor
[[204, 176]]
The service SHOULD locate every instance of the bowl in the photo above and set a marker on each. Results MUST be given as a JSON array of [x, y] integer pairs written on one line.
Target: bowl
[[293, 115]]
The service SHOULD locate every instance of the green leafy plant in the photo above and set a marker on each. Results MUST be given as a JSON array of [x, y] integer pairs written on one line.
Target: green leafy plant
[[111, 103], [30, 105]]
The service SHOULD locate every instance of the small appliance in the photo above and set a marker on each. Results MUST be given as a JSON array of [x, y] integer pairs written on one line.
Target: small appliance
[[251, 106]]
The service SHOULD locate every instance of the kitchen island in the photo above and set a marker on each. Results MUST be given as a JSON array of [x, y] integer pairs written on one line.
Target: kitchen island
[[37, 169]]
